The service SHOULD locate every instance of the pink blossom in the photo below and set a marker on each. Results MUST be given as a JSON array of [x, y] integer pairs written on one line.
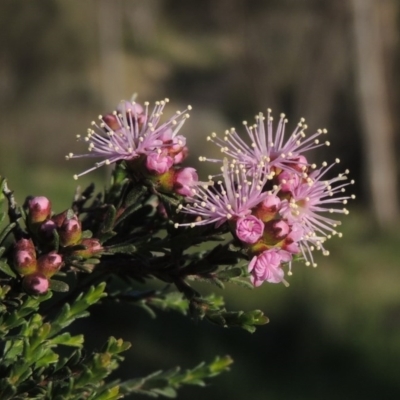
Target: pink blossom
[[269, 146], [234, 197], [249, 229], [130, 132], [267, 266], [158, 163]]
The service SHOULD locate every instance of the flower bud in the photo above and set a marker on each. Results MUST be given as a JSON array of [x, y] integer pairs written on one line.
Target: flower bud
[[184, 179], [47, 228], [25, 244], [60, 218], [275, 231], [111, 121], [70, 232], [268, 208], [49, 264], [92, 245], [35, 283], [39, 209], [25, 262], [249, 229]]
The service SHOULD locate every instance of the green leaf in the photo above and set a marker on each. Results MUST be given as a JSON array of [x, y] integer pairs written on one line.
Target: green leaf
[[58, 286], [4, 267], [67, 340]]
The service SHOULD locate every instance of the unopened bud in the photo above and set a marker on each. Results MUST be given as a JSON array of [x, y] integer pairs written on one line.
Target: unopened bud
[[35, 283], [39, 209], [70, 232], [92, 245], [111, 121], [49, 264], [25, 262], [25, 244], [275, 231], [268, 208], [60, 218]]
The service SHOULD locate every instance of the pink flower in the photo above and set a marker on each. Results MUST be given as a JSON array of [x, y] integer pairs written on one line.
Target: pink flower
[[267, 267], [268, 146], [219, 202], [159, 163], [184, 180], [249, 229], [130, 132]]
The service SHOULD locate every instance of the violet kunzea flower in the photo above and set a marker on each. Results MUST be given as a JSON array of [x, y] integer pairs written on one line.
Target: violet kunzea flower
[[231, 199], [268, 147], [267, 267], [130, 132], [249, 229], [310, 200]]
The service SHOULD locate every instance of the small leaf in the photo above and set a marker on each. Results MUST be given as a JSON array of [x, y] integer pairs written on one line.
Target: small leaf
[[58, 286], [7, 269]]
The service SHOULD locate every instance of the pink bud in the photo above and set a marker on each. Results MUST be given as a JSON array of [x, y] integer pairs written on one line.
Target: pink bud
[[249, 229], [134, 112], [92, 245], [39, 209], [275, 231], [158, 163], [49, 264], [268, 208], [299, 163], [70, 232], [25, 244], [47, 228], [25, 262], [111, 121], [35, 283], [184, 180], [180, 157]]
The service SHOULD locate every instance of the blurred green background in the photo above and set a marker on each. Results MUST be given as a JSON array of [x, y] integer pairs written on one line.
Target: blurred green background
[[335, 332]]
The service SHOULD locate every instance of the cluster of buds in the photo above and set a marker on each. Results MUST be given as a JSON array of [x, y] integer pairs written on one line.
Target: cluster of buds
[[37, 267], [35, 271], [150, 150], [274, 201]]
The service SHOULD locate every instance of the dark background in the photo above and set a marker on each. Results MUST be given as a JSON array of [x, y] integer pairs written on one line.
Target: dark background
[[334, 333]]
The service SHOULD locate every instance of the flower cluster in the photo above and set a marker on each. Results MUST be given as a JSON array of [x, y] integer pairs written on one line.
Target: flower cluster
[[150, 149], [274, 201]]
